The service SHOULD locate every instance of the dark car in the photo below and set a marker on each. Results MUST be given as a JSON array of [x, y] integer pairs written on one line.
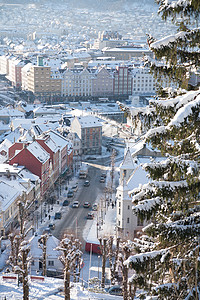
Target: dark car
[[90, 216], [86, 183], [65, 203], [115, 290], [58, 215], [91, 158], [52, 226], [70, 194], [86, 204]]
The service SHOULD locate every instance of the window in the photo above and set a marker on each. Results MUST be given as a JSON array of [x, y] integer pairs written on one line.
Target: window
[[128, 220], [51, 263], [119, 223], [128, 207], [33, 263], [119, 211], [120, 202]]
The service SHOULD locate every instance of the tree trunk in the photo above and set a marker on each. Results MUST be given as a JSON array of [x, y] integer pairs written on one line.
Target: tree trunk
[[103, 264], [125, 283], [114, 266], [67, 283], [25, 275], [132, 292]]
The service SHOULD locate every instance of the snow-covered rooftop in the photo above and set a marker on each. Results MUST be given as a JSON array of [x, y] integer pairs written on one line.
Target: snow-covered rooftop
[[38, 152]]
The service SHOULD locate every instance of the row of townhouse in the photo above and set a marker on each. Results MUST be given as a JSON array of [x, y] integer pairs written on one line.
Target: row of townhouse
[[43, 79], [30, 169], [16, 182], [48, 156]]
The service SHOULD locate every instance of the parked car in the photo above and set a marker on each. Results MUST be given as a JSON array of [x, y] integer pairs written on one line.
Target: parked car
[[75, 188], [86, 204], [86, 183], [70, 194], [115, 290], [75, 204], [103, 174], [52, 226], [90, 216], [94, 206], [65, 203], [91, 158], [102, 180], [58, 215]]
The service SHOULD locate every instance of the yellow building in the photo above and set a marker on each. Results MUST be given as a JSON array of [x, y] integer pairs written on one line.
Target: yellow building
[[41, 81]]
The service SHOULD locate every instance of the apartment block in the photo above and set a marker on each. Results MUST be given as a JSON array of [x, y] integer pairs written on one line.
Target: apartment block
[[77, 82], [89, 130], [122, 84]]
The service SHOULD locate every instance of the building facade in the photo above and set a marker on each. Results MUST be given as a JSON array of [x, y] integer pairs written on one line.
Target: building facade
[[89, 130], [122, 84]]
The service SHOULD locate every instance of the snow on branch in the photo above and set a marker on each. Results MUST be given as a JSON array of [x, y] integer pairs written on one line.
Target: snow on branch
[[190, 101], [180, 37], [168, 39], [151, 187], [176, 102], [147, 205], [190, 166], [184, 112], [169, 7], [141, 258]]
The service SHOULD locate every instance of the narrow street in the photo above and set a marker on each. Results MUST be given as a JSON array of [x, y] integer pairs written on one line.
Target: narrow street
[[74, 220]]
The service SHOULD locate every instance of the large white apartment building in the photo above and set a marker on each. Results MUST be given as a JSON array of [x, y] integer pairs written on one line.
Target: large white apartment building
[[143, 82], [76, 82]]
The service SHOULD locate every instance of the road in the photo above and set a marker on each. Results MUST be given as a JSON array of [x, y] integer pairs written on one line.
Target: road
[[74, 220]]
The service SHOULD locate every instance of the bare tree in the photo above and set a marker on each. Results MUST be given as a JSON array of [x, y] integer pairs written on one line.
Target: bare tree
[[126, 249], [71, 253], [22, 267], [43, 245], [19, 248], [15, 241], [113, 254], [104, 250]]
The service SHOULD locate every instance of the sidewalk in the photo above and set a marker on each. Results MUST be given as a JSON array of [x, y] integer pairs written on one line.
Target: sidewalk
[[42, 220]]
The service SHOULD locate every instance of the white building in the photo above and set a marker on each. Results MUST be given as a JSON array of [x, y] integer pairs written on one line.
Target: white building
[[131, 175], [25, 73], [54, 265], [77, 82], [143, 82]]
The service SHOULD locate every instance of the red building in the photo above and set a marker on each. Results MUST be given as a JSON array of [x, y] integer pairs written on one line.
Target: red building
[[65, 153], [53, 149], [34, 158]]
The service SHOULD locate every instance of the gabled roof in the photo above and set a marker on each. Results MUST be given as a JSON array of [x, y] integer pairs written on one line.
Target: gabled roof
[[52, 243], [9, 191], [51, 144], [39, 152], [60, 140]]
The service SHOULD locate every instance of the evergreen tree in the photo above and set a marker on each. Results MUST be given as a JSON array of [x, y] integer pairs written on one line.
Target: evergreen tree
[[180, 51], [167, 264]]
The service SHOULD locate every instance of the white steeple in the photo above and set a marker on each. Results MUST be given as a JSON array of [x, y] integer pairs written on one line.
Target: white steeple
[[126, 167]]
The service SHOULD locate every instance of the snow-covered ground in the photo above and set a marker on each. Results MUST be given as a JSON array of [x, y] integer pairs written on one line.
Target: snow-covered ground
[[50, 288]]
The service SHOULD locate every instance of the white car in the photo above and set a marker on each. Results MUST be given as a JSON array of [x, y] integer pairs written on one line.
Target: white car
[[75, 204]]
